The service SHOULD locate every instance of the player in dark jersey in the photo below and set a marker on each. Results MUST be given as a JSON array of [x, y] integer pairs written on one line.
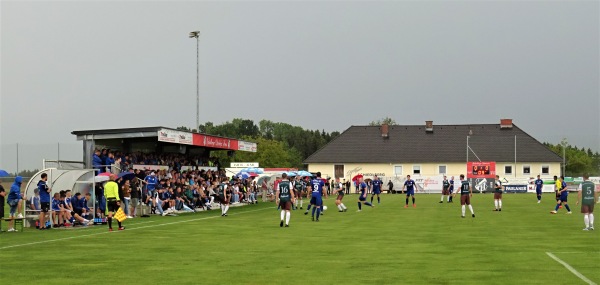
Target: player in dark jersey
[[376, 189], [451, 190], [466, 192], [317, 190], [587, 195], [563, 195], [362, 198], [409, 185], [498, 189], [338, 189], [223, 191], [539, 184], [445, 189], [285, 198], [299, 188]]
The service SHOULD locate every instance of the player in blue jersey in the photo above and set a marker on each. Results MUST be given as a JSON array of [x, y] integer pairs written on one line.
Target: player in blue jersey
[[362, 199], [376, 189], [563, 195], [317, 190], [410, 185], [539, 184]]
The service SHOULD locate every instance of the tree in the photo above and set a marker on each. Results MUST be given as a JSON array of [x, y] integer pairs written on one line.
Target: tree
[[386, 120]]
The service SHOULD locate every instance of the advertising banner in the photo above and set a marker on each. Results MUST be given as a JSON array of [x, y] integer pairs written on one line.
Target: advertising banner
[[171, 136], [516, 188]]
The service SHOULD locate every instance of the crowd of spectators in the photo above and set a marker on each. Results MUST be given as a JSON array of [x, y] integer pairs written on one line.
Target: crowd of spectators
[[170, 190]]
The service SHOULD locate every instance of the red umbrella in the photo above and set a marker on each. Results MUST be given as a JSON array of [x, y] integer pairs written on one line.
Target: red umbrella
[[252, 174], [356, 177], [104, 174]]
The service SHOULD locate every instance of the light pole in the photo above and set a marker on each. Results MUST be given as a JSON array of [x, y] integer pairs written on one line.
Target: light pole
[[564, 146], [196, 34]]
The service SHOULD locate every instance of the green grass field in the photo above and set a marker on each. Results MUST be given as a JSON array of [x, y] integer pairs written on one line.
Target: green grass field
[[430, 244]]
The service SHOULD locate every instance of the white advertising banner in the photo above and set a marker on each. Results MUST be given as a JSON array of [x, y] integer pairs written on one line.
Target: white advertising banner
[[243, 164], [171, 136], [247, 146]]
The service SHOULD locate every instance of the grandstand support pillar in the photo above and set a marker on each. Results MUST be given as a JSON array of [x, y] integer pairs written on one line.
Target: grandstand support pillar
[[88, 152]]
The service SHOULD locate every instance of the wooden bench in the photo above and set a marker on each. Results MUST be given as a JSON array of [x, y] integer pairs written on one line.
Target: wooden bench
[[17, 222]]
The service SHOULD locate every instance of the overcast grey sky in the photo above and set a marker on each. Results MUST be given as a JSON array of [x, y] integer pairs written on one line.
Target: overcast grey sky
[[322, 65]]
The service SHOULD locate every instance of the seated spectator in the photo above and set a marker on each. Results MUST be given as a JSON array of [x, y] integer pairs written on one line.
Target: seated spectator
[[34, 201]]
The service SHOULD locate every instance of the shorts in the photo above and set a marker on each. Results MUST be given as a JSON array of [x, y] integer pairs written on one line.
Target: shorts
[[112, 205], [224, 200], [465, 199], [316, 200], [538, 192], [377, 191], [410, 192], [286, 206], [340, 197], [497, 195], [77, 211], [445, 192], [13, 207], [563, 197], [44, 207], [587, 209]]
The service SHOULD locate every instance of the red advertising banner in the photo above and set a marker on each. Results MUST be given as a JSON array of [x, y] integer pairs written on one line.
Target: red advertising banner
[[215, 142], [484, 169]]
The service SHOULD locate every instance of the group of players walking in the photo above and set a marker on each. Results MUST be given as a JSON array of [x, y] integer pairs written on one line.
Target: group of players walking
[[289, 192]]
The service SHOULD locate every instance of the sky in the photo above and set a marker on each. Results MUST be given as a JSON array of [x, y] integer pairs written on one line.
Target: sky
[[69, 66]]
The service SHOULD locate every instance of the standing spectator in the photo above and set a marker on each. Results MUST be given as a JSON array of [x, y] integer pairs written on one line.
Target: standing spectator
[[97, 162], [109, 161], [126, 197], [135, 199], [45, 191], [347, 184], [115, 167], [390, 187], [2, 195]]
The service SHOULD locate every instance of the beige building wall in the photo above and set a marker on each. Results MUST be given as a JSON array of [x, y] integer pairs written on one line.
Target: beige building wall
[[432, 169]]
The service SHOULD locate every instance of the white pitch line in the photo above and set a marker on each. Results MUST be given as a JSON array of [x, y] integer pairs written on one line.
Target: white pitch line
[[137, 228], [567, 266]]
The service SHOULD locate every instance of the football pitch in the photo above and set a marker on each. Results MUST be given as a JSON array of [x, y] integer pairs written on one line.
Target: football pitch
[[388, 244]]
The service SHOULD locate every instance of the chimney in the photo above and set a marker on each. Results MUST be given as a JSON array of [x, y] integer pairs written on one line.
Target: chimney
[[429, 126], [384, 131], [506, 123]]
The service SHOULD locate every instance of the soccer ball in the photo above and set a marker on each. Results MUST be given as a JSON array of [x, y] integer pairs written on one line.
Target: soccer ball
[[324, 208]]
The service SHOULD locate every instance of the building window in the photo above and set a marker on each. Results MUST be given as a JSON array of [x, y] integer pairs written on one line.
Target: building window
[[441, 169], [338, 171], [398, 170], [508, 169], [545, 169], [416, 169], [526, 169]]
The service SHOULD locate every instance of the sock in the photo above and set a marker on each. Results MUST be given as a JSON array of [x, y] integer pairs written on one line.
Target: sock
[[378, 200], [371, 199], [586, 221], [308, 208], [368, 204], [406, 201], [359, 206], [442, 199], [313, 211], [339, 207], [413, 199], [282, 215], [471, 209], [591, 217], [462, 209], [500, 204], [556, 208], [343, 206], [226, 209], [450, 198], [568, 208], [301, 203], [222, 209], [496, 204], [539, 198], [120, 225], [287, 218], [109, 220], [318, 213]]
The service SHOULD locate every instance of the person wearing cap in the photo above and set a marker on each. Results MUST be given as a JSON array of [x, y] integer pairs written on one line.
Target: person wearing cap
[[113, 202]]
